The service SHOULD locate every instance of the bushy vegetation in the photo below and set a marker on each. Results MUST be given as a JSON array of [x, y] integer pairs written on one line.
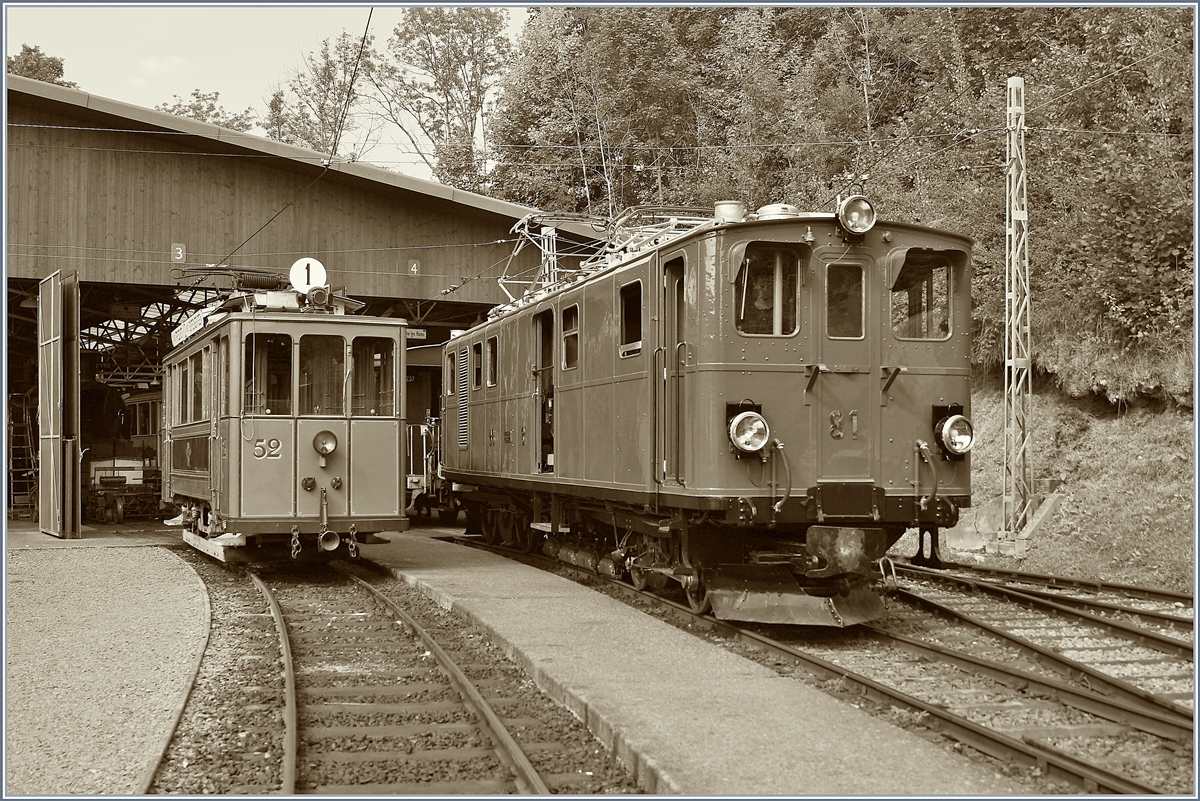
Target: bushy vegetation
[[1127, 512], [609, 107]]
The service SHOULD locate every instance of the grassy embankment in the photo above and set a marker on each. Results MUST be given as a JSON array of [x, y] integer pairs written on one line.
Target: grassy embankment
[[1127, 511]]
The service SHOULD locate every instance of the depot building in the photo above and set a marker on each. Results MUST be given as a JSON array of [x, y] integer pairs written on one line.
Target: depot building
[[124, 221]]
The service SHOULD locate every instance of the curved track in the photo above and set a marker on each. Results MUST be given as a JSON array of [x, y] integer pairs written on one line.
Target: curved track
[[1117, 657], [361, 691], [995, 698]]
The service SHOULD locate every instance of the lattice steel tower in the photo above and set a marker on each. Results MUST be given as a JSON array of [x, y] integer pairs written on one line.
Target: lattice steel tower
[[1018, 470]]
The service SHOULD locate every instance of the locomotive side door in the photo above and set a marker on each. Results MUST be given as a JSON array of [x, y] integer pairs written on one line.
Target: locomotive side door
[[839, 385], [672, 389], [542, 429]]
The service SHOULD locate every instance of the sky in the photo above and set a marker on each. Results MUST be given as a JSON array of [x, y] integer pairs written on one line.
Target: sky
[[145, 53]]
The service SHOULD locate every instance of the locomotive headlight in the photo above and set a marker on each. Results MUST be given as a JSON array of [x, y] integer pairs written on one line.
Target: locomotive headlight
[[955, 434], [749, 432], [856, 214], [324, 443]]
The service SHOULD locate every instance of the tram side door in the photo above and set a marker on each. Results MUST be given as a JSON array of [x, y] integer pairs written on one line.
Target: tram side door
[[59, 503], [672, 394], [543, 391], [840, 384]]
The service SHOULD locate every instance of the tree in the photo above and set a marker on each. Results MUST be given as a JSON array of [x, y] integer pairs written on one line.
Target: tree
[[599, 111], [433, 83], [320, 108], [204, 107], [31, 62], [609, 107]]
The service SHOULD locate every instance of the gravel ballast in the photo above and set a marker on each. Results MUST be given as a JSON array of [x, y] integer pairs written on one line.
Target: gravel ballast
[[91, 699]]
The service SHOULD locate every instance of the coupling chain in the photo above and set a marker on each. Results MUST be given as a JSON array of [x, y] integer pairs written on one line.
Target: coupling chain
[[295, 541], [352, 545]]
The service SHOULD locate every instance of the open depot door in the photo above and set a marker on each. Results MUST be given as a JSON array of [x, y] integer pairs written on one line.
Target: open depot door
[[58, 405]]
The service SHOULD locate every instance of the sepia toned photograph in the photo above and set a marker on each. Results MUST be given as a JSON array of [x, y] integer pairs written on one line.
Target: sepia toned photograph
[[701, 400]]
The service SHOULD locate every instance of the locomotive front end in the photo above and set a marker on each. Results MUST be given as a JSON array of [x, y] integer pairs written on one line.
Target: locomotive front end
[[846, 421]]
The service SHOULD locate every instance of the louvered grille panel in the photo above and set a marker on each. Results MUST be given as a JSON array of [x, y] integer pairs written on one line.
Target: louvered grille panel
[[462, 397]]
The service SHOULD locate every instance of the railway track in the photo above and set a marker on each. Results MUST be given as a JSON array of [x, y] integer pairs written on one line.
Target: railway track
[[380, 692], [996, 694], [1163, 611], [1121, 657], [378, 706]]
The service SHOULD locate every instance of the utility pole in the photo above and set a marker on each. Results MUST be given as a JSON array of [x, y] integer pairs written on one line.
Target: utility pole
[[1018, 471]]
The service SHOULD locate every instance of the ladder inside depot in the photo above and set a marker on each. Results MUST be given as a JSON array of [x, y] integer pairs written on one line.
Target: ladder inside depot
[[22, 460]]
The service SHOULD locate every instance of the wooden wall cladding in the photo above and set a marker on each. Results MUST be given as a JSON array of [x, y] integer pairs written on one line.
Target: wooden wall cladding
[[109, 200]]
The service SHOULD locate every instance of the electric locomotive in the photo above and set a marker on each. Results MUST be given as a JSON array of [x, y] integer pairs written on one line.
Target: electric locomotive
[[284, 428], [754, 405]]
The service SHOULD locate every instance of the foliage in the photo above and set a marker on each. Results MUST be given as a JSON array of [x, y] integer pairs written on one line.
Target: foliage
[[204, 107], [317, 108], [1127, 497], [31, 62], [433, 81], [605, 108]]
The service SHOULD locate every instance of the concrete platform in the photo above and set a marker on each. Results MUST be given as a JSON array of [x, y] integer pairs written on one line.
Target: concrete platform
[[102, 636], [687, 716]]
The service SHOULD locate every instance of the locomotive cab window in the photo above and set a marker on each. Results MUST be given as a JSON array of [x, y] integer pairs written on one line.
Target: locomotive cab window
[[631, 319], [451, 373], [374, 376], [268, 361], [322, 375], [844, 301], [570, 330], [765, 292], [921, 295], [477, 365]]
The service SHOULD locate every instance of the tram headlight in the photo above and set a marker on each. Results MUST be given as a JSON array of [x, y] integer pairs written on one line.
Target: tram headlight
[[856, 214], [955, 434], [324, 443], [749, 432]]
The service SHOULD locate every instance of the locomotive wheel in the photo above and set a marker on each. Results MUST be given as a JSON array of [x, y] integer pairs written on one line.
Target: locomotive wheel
[[490, 527], [643, 579], [697, 598], [120, 513], [638, 578], [505, 530], [528, 538]]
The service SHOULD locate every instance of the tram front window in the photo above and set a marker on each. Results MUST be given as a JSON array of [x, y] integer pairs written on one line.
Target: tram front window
[[374, 377], [322, 375], [268, 363]]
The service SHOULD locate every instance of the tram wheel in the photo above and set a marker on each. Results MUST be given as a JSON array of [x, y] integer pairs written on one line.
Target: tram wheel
[[120, 513], [490, 526]]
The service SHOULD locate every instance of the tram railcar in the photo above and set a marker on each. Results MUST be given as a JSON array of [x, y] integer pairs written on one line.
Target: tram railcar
[[283, 432], [756, 406]]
